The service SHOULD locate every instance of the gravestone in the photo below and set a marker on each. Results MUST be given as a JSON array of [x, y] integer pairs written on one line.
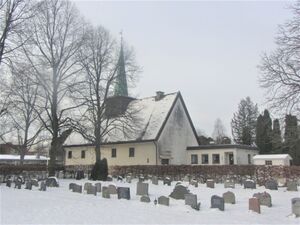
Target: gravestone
[[34, 182], [79, 174], [119, 178], [8, 183], [264, 198], [18, 184], [91, 190], [109, 178], [179, 192], [217, 202], [167, 181], [43, 186], [105, 192], [254, 205], [194, 183], [162, 200], [142, 188], [112, 189], [155, 180], [71, 186], [197, 206], [52, 182], [98, 187], [229, 184], [186, 178], [210, 184], [128, 179], [123, 192], [271, 185], [145, 198], [141, 179], [291, 186], [28, 185], [77, 188], [249, 184], [229, 197], [87, 185], [296, 206], [190, 199]]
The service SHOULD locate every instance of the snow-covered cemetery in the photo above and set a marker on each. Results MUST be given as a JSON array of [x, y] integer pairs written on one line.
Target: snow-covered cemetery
[[101, 126]]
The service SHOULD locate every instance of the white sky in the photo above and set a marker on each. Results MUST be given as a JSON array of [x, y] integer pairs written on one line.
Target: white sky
[[207, 50]]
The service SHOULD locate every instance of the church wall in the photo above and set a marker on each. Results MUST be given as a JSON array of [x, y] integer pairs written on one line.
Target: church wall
[[176, 136], [144, 154]]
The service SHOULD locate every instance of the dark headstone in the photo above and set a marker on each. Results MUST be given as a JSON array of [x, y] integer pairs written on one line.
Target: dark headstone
[[210, 184], [194, 183], [197, 206], [271, 185], [8, 183], [254, 205], [34, 182], [264, 198], [28, 185], [18, 184], [123, 192], [142, 188], [229, 197], [179, 192], [52, 182], [249, 184], [167, 181], [77, 188], [71, 186], [296, 206], [120, 178], [217, 202], [43, 186], [145, 198], [162, 200], [112, 189], [79, 174]]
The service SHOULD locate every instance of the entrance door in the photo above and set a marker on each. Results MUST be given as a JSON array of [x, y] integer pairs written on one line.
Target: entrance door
[[165, 161], [231, 159]]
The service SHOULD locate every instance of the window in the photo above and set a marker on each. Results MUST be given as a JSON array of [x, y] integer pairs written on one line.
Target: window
[[131, 152], [249, 159], [83, 154], [194, 159], [113, 152], [204, 158], [69, 154], [268, 162], [216, 158], [165, 161]]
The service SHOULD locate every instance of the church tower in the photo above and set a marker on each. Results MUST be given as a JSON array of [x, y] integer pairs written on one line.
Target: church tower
[[121, 88]]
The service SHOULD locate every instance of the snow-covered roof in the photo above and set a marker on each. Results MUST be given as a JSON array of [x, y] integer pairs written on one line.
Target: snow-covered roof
[[17, 157], [273, 156]]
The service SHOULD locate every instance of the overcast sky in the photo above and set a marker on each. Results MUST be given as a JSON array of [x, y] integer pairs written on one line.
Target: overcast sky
[[209, 51]]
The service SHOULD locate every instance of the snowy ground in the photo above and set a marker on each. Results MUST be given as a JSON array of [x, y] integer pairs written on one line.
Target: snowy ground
[[61, 206]]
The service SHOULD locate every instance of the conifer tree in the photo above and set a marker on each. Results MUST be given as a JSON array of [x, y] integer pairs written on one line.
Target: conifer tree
[[291, 138], [264, 133], [276, 138]]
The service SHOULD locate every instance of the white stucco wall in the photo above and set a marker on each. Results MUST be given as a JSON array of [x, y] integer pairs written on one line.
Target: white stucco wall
[[240, 155], [177, 135], [275, 162]]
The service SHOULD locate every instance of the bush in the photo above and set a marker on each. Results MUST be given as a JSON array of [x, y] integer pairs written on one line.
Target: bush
[[100, 170]]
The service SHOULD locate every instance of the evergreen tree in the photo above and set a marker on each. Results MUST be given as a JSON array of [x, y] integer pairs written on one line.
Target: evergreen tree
[[291, 138], [276, 138], [243, 123], [264, 133]]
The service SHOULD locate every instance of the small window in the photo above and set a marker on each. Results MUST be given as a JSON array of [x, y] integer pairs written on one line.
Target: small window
[[268, 162], [69, 154], [249, 159], [194, 159], [165, 161], [131, 152], [83, 154], [216, 158], [113, 152], [204, 158]]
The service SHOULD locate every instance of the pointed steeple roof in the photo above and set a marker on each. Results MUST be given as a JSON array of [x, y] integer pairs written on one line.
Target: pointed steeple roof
[[121, 88]]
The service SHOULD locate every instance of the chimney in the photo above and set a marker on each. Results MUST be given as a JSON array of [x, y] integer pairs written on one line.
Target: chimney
[[159, 95]]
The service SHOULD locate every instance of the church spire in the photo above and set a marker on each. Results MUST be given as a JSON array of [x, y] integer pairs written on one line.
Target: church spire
[[121, 80]]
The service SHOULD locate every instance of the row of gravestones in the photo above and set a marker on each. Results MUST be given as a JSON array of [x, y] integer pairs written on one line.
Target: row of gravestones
[[29, 184]]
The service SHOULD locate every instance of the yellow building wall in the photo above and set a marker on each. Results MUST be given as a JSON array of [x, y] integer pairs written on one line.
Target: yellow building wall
[[144, 154]]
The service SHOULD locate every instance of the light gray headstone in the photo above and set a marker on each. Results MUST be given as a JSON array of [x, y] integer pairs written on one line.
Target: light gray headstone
[[145, 198], [190, 199], [229, 197], [229, 184], [112, 189], [128, 179], [296, 206], [91, 190], [77, 188], [43, 186], [264, 198], [186, 178], [194, 182], [142, 188], [98, 187], [210, 184], [179, 192], [123, 192], [155, 180], [291, 186], [162, 200], [87, 185], [217, 202], [105, 192]]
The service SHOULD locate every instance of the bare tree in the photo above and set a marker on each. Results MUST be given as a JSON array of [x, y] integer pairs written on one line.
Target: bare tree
[[55, 35], [13, 13], [281, 68], [22, 95], [219, 131], [101, 66]]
